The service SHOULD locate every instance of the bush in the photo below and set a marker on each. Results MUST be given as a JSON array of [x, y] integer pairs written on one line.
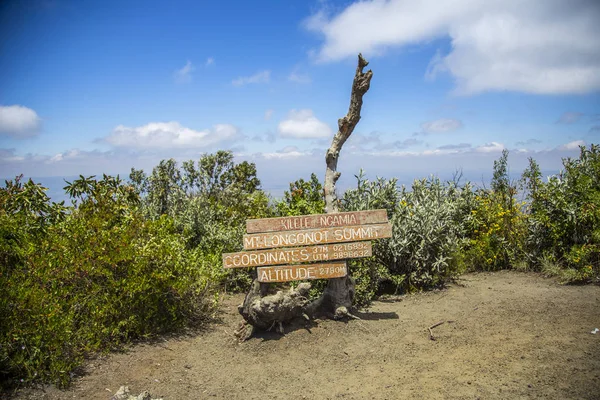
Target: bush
[[209, 202], [99, 278], [495, 233], [427, 231], [495, 228], [370, 273], [303, 198], [564, 218]]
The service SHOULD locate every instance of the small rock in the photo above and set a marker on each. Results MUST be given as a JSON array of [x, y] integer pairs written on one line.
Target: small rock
[[123, 394], [144, 396]]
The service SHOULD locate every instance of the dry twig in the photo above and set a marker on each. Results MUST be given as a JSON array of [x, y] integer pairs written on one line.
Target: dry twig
[[433, 326]]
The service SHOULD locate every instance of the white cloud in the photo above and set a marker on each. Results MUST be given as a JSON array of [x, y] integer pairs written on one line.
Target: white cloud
[[68, 155], [259, 77], [57, 157], [491, 147], [570, 117], [297, 77], [399, 150], [169, 135], [289, 149], [8, 156], [403, 144], [277, 169], [209, 61], [69, 163], [572, 145], [439, 151], [184, 74], [19, 121], [456, 147], [303, 124], [285, 153], [269, 114], [441, 125], [372, 142], [534, 46], [528, 142], [359, 141]]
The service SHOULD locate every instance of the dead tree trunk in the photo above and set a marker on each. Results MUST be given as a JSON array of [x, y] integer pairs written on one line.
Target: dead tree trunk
[[264, 311], [336, 300], [346, 125]]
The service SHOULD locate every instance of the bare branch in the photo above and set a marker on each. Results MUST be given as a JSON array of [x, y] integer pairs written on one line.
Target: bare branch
[[339, 293], [346, 125]]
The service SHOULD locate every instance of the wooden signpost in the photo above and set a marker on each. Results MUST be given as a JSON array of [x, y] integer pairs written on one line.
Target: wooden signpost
[[316, 221], [316, 236], [322, 237], [302, 272], [294, 255]]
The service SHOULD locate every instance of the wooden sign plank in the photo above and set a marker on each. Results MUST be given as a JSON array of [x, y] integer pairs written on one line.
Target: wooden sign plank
[[317, 236], [302, 272], [294, 255], [316, 221]]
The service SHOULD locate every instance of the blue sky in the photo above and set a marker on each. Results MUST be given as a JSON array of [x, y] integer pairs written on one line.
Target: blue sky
[[90, 87]]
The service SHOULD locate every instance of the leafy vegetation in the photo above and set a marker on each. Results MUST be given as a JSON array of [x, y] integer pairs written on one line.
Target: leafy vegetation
[[496, 227], [90, 277], [130, 260], [442, 229], [428, 230], [209, 202], [563, 230], [303, 198]]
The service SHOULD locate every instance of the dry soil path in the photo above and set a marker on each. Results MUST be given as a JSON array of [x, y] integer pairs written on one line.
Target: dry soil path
[[505, 335]]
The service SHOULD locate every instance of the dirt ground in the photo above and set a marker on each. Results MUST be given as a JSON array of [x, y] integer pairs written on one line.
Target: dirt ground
[[505, 335]]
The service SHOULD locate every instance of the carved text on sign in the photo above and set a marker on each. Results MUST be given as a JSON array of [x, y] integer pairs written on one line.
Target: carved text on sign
[[317, 236], [297, 255], [302, 272], [316, 221]]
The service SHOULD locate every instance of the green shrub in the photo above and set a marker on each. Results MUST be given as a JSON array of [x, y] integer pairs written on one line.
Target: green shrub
[[303, 198], [209, 202], [370, 273], [564, 217], [427, 232], [495, 233], [101, 277], [495, 227]]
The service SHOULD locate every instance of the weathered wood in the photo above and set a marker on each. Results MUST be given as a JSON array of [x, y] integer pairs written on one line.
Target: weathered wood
[[316, 221], [269, 311], [317, 236], [287, 273], [259, 258], [346, 125], [339, 293]]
